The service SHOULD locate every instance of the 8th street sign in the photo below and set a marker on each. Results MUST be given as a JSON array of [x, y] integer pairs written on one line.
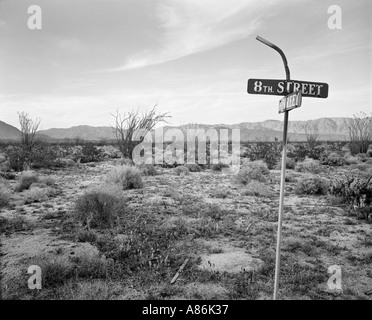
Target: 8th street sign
[[283, 87]]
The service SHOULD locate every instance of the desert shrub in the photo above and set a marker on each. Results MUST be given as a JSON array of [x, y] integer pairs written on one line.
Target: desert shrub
[[148, 170], [128, 177], [290, 178], [257, 189], [219, 166], [13, 224], [17, 158], [4, 196], [290, 164], [90, 154], [253, 170], [181, 170], [312, 185], [27, 179], [56, 271], [332, 159], [42, 156], [100, 207], [194, 167], [269, 152], [8, 175], [355, 190], [86, 236], [349, 159], [35, 194], [309, 165]]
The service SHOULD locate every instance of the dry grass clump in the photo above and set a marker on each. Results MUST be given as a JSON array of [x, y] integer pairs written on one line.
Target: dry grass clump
[[148, 170], [4, 196], [312, 185], [309, 165], [290, 164], [100, 207], [219, 166], [253, 170], [27, 179], [257, 189], [194, 167], [181, 170], [128, 177], [36, 194], [13, 224]]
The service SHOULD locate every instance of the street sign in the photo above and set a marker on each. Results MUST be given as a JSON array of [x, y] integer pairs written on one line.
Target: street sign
[[283, 87], [291, 101]]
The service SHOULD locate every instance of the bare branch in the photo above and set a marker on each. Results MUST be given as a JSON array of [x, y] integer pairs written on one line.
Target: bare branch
[[131, 123]]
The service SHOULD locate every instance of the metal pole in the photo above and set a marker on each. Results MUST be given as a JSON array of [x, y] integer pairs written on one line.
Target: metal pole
[[282, 179]]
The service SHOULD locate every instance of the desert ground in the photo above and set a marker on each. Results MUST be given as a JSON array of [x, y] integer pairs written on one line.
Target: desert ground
[[226, 230]]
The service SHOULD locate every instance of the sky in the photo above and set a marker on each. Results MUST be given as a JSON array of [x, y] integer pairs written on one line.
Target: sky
[[192, 58]]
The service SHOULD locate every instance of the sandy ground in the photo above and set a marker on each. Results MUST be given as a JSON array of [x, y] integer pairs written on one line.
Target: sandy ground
[[314, 232]]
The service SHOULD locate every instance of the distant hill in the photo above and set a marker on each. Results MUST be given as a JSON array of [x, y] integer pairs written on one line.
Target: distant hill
[[8, 132], [81, 132], [328, 128]]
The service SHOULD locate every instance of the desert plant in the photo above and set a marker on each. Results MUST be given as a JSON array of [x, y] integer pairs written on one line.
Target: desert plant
[[181, 170], [148, 170], [269, 152], [13, 224], [257, 189], [290, 164], [90, 154], [130, 128], [253, 170], [29, 129], [26, 180], [194, 167], [17, 158], [35, 194], [349, 159], [312, 185], [128, 177], [355, 190], [312, 134], [332, 159], [309, 165], [100, 207], [42, 156], [4, 196], [219, 166], [86, 236], [360, 132]]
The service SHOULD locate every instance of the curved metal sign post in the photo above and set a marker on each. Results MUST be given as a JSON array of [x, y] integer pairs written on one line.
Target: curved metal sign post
[[293, 91]]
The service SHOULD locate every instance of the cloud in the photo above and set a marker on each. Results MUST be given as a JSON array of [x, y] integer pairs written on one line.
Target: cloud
[[192, 26]]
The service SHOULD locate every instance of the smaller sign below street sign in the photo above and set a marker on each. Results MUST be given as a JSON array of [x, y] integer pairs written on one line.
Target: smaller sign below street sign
[[290, 102], [283, 87]]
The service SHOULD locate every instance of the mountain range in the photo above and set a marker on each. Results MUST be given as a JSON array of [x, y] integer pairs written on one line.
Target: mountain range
[[328, 129]]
